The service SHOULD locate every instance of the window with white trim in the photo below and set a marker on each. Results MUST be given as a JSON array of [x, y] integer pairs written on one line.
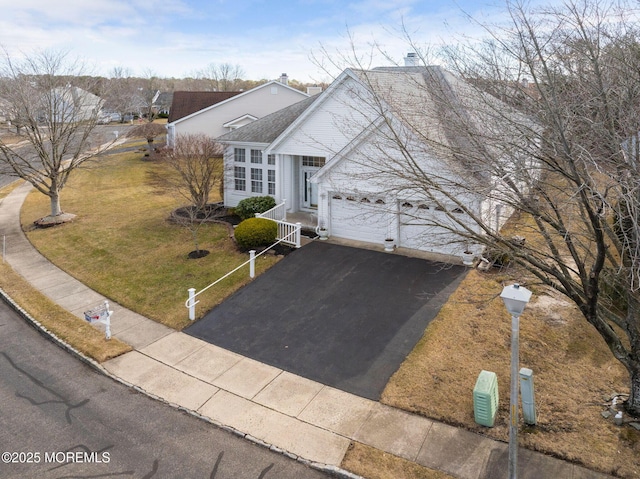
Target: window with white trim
[[256, 180], [239, 155], [317, 161], [240, 178], [256, 157], [271, 159], [271, 182]]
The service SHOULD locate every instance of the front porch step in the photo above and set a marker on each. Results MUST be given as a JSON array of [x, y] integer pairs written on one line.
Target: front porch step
[[309, 221]]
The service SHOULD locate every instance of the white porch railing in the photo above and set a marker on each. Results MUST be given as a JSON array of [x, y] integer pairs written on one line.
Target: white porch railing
[[292, 237], [277, 213], [288, 233]]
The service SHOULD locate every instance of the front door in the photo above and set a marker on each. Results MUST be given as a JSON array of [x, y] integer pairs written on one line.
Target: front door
[[309, 190]]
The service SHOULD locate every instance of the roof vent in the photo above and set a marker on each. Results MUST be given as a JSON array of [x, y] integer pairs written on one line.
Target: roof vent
[[284, 79], [411, 60]]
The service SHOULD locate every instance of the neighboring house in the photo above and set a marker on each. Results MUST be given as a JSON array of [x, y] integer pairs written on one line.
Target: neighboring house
[[336, 158], [71, 104], [162, 102], [215, 113]]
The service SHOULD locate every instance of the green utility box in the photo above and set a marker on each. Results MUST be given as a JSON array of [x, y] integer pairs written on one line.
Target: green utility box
[[485, 398]]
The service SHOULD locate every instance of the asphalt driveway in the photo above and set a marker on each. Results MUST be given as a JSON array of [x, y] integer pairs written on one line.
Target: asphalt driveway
[[341, 316]]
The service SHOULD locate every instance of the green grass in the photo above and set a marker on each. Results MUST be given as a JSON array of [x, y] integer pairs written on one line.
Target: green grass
[[122, 245]]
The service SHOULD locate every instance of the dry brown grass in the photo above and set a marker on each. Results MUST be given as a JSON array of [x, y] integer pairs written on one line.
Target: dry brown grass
[[374, 464], [122, 245], [71, 329], [573, 370]]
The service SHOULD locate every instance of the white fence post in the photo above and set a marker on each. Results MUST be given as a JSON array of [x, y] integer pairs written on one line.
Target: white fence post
[[297, 235], [252, 264], [192, 303], [107, 324]]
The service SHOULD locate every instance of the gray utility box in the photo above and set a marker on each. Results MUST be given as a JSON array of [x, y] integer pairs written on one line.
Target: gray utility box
[[485, 398]]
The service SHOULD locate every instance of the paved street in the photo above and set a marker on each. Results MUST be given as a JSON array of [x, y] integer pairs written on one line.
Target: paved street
[[100, 135], [72, 422]]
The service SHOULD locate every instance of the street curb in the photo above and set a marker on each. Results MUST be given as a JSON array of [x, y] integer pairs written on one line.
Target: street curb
[[46, 333]]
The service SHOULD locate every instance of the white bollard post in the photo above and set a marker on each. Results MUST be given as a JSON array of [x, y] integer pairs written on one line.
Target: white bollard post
[[527, 396], [192, 303], [252, 264], [107, 323], [298, 230]]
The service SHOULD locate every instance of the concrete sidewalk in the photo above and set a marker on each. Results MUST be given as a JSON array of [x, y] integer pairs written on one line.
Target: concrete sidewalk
[[302, 418]]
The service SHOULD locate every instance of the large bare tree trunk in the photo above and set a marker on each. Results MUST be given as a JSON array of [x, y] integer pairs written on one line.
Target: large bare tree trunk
[[54, 198], [633, 404]]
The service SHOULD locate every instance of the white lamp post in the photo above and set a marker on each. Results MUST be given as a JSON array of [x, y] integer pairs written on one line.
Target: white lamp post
[[515, 299]]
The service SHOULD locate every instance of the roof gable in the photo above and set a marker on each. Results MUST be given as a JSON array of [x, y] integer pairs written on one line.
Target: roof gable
[[185, 103], [239, 121], [231, 95], [270, 127]]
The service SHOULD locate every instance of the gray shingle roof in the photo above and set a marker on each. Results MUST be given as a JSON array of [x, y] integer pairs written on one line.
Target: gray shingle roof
[[268, 128]]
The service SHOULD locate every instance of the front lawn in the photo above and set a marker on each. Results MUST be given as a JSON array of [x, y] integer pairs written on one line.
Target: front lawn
[[122, 245]]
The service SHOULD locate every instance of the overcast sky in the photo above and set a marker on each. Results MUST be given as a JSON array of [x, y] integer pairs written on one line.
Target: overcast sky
[[265, 37]]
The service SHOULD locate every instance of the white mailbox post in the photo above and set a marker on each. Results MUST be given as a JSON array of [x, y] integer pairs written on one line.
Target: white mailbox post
[[102, 315]]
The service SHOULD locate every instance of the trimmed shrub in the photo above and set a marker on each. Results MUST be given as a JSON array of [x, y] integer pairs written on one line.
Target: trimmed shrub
[[248, 207], [255, 232]]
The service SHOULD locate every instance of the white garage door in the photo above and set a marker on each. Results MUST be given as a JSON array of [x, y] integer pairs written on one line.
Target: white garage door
[[417, 230], [360, 217]]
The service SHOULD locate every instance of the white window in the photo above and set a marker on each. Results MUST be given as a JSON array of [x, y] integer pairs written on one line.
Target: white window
[[239, 176], [239, 155], [256, 180], [271, 159], [271, 182], [317, 161], [256, 157]]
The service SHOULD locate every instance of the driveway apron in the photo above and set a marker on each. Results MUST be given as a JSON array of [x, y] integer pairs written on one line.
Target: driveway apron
[[342, 316]]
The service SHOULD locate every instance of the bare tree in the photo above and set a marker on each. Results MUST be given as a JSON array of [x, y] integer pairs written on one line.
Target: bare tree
[[148, 131], [147, 94], [195, 166], [545, 126], [56, 117], [223, 76], [121, 93]]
